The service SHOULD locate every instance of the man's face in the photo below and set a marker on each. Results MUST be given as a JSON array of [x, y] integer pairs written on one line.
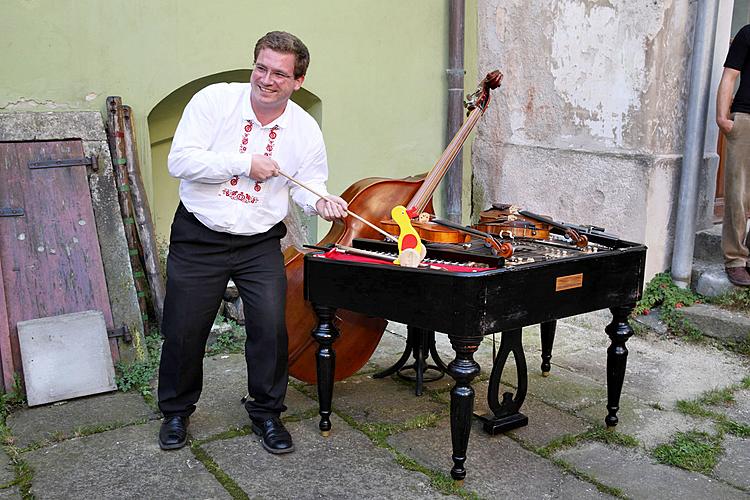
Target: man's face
[[273, 81]]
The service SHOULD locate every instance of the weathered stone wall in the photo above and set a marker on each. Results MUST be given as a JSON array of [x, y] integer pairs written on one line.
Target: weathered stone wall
[[588, 125]]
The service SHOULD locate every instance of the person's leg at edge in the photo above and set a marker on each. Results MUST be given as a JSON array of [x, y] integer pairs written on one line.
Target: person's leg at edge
[[736, 192]]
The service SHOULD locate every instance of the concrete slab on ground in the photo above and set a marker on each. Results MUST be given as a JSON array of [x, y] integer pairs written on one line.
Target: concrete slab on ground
[[65, 356], [224, 384], [386, 401], [566, 389], [122, 463], [7, 471], [494, 464], [739, 410], [734, 464], [11, 492], [649, 425], [344, 465], [660, 370], [710, 279], [639, 476], [546, 423], [719, 323], [60, 420]]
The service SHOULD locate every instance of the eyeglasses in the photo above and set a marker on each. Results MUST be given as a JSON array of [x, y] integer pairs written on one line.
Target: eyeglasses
[[275, 75]]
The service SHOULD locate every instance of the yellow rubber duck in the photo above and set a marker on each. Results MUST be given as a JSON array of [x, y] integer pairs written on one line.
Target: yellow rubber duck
[[411, 251]]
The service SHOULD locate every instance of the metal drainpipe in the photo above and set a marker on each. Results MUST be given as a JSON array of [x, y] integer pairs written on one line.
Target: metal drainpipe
[[695, 137], [455, 71]]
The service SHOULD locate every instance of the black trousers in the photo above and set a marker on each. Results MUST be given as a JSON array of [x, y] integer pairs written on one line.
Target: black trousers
[[199, 266]]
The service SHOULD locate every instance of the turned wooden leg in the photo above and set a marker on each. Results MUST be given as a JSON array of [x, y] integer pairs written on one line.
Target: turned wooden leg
[[548, 339], [463, 369], [325, 334], [619, 332]]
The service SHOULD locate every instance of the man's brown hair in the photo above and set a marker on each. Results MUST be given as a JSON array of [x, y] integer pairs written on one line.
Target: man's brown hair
[[281, 41]]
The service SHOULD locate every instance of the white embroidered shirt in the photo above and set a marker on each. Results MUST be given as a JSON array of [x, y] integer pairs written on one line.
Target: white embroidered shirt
[[211, 155]]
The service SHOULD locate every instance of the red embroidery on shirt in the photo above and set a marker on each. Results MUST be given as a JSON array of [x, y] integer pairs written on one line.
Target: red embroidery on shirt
[[239, 195]]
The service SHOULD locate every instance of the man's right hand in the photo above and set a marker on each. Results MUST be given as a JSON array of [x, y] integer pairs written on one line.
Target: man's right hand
[[263, 168], [725, 125]]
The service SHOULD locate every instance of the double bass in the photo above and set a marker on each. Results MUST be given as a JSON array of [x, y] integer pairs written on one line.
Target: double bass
[[372, 198]]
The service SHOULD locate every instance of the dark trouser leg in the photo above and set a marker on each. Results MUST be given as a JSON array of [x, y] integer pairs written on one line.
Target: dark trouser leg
[[197, 276], [734, 236], [261, 280], [619, 332]]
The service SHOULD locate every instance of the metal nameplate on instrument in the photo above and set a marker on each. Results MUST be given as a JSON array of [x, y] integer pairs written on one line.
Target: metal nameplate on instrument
[[568, 282]]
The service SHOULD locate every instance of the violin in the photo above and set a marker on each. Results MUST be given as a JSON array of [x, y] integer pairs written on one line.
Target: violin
[[508, 219], [504, 220]]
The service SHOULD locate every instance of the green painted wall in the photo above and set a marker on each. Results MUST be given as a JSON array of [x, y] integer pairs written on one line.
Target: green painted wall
[[377, 69]]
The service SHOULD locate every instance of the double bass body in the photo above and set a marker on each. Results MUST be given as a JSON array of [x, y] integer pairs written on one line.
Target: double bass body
[[372, 199]]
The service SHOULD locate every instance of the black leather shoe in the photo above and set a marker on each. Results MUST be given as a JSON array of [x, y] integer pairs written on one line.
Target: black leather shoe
[[173, 433], [274, 436]]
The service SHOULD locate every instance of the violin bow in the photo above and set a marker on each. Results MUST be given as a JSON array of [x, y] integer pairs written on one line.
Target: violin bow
[[361, 219]]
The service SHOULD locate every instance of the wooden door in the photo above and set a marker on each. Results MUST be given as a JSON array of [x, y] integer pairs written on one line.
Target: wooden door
[[49, 254]]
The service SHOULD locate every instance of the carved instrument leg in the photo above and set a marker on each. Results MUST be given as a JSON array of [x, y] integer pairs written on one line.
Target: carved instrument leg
[[619, 332], [548, 339], [325, 334], [420, 343], [463, 369], [506, 415]]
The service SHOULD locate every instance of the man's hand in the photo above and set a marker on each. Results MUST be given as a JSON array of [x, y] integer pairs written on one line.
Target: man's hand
[[725, 125], [331, 207], [263, 168]]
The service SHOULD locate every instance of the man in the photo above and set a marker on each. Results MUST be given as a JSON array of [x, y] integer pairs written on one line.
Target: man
[[228, 149], [733, 118]]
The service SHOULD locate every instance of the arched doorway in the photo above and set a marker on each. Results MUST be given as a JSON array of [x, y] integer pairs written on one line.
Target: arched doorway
[[162, 122]]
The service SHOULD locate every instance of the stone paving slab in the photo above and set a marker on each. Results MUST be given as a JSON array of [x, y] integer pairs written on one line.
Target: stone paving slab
[[122, 463], [734, 464], [54, 422], [7, 471], [649, 425], [739, 410], [11, 492], [546, 423], [496, 466], [639, 476], [567, 390], [659, 370], [224, 384], [382, 400], [344, 465]]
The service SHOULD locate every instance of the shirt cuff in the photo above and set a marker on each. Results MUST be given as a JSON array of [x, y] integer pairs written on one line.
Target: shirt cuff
[[239, 164]]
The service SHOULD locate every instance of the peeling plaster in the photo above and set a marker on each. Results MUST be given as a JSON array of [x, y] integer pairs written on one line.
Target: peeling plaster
[[598, 62]]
